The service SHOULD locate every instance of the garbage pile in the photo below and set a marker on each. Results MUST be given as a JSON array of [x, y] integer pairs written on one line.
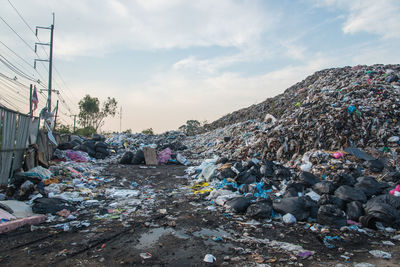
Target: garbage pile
[[70, 195], [331, 110], [149, 149], [265, 189], [95, 147], [329, 78], [328, 155]]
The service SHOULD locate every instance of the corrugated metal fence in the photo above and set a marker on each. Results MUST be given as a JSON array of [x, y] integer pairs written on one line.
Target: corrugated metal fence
[[17, 132]]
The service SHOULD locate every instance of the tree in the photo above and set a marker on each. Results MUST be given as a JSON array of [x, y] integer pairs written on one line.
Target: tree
[[90, 114], [86, 131], [63, 129], [148, 131], [191, 127]]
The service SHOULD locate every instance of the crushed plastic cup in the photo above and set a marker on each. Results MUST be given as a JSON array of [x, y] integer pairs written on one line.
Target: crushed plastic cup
[[209, 258]]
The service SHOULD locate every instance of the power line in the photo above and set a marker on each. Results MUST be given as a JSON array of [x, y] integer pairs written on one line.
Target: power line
[[34, 50], [15, 69], [17, 55], [31, 29], [22, 39], [26, 23]]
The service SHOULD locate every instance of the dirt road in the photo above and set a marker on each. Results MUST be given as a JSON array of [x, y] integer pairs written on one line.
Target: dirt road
[[168, 225]]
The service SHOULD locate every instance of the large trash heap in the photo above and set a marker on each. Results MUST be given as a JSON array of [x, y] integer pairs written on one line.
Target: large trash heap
[[329, 154], [324, 152]]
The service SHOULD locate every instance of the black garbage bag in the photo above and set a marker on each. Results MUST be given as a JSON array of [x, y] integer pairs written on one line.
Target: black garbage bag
[[247, 188], [222, 160], [312, 206], [369, 185], [354, 210], [138, 158], [375, 165], [50, 205], [101, 144], [293, 190], [83, 148], [227, 173], [386, 199], [331, 199], [90, 143], [255, 171], [267, 169], [383, 213], [348, 194], [282, 172], [324, 187], [98, 137], [297, 206], [102, 150], [331, 215], [259, 210], [392, 177], [383, 208], [64, 146], [75, 143], [343, 179], [91, 152], [238, 166], [238, 204], [245, 177], [358, 153], [308, 178], [127, 158]]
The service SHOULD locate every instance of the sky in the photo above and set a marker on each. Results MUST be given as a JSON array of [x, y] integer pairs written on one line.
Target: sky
[[169, 61]]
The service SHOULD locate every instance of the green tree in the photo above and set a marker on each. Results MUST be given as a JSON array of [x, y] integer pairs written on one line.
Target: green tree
[[86, 131], [148, 131], [90, 114], [191, 127], [63, 129]]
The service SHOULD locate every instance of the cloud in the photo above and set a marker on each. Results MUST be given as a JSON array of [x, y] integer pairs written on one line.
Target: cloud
[[94, 28], [212, 66], [371, 16]]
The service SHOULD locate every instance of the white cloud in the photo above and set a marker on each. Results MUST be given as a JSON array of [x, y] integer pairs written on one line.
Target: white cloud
[[214, 65], [371, 16], [92, 27]]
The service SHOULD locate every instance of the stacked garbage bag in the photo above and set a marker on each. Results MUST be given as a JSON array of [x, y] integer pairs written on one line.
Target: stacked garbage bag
[[168, 147], [266, 189], [95, 147]]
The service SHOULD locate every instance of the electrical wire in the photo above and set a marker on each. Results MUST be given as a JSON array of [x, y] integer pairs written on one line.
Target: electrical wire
[[23, 74], [55, 68]]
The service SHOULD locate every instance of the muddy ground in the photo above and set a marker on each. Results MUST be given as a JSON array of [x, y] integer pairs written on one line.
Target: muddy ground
[[174, 227]]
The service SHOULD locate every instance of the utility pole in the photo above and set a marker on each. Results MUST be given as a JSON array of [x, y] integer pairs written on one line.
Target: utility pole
[[50, 60], [120, 119], [55, 117], [30, 100], [74, 120]]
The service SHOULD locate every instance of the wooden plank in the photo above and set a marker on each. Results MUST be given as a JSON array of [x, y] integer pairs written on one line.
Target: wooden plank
[[150, 156]]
